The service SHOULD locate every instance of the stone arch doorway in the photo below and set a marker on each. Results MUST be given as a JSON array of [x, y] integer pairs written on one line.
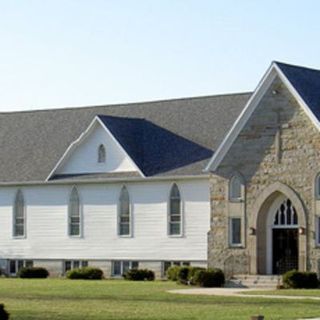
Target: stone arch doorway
[[280, 241]]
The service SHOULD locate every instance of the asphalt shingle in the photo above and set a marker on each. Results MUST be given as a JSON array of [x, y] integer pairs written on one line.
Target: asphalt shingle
[[32, 142]]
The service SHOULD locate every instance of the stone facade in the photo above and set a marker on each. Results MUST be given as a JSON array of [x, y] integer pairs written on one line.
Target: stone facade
[[277, 153]]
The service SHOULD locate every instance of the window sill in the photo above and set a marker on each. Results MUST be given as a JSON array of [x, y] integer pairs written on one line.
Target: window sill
[[125, 235], [240, 200], [75, 237], [236, 246], [19, 237], [175, 235]]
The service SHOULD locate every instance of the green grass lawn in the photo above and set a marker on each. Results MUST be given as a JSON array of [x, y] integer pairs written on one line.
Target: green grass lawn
[[66, 299]]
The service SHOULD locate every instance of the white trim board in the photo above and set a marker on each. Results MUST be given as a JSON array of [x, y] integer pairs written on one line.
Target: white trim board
[[250, 107]]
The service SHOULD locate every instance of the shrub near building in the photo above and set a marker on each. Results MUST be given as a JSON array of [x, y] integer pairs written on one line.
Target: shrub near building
[[139, 275], [33, 273], [209, 278], [300, 280], [197, 276], [172, 273], [86, 273]]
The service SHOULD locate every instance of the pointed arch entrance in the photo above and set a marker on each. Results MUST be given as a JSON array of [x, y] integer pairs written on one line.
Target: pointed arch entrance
[[279, 245], [282, 237]]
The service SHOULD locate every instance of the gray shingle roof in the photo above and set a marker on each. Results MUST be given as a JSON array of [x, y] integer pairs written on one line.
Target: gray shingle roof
[[154, 150], [307, 83], [32, 142]]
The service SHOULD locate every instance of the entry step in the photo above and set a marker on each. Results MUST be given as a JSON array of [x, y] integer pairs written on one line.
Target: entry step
[[254, 281]]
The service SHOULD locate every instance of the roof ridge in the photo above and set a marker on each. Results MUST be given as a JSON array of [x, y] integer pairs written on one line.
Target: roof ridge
[[126, 103]]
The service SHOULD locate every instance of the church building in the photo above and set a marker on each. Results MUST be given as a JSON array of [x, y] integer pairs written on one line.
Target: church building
[[265, 183], [229, 181]]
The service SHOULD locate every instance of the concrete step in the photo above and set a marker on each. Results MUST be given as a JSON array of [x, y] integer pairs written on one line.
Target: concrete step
[[254, 281]]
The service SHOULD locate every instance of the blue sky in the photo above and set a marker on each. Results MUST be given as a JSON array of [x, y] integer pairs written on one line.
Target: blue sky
[[63, 53]]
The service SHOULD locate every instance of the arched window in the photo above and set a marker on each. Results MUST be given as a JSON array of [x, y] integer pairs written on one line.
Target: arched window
[[19, 215], [317, 187], [74, 213], [124, 213], [286, 215], [175, 211], [235, 188], [101, 154]]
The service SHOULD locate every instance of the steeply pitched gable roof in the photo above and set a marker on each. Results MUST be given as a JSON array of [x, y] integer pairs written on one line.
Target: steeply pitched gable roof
[[155, 150], [307, 83], [32, 142], [303, 83]]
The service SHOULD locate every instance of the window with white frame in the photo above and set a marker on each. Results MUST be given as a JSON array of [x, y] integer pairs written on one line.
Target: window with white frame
[[235, 189], [174, 215], [124, 215], [101, 154], [119, 268], [74, 264], [74, 213], [235, 231], [19, 215], [16, 265]]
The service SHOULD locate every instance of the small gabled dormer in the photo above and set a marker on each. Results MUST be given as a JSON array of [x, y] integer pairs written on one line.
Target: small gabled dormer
[[95, 151]]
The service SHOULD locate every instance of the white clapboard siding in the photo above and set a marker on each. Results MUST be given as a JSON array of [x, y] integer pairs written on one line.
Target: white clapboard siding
[[84, 157], [47, 236]]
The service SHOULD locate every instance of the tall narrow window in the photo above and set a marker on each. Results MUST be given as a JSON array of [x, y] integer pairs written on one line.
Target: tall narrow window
[[235, 189], [235, 234], [318, 230], [19, 215], [101, 154], [74, 213], [317, 187], [175, 211], [124, 213]]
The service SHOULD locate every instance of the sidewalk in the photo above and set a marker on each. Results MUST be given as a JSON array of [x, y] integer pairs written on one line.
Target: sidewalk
[[236, 292]]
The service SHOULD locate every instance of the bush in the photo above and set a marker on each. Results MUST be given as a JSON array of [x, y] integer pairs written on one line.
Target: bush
[[209, 278], [300, 280], [192, 271], [183, 275], [33, 272], [87, 273], [4, 315], [139, 275], [172, 273]]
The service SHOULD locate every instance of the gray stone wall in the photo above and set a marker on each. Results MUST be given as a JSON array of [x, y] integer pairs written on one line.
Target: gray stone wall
[[279, 144]]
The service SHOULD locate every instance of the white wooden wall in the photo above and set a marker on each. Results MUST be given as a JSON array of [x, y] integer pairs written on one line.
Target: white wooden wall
[[84, 157], [47, 236]]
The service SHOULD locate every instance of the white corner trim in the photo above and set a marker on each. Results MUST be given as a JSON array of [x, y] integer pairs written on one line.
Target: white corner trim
[[83, 136], [242, 119], [120, 146], [71, 146]]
